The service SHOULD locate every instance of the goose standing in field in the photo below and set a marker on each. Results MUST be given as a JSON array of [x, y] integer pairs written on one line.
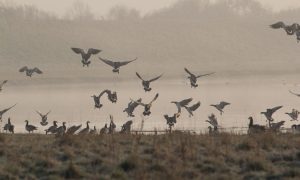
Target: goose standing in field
[[289, 29], [116, 64], [294, 115], [2, 112], [269, 113], [212, 119], [61, 129], [93, 131], [126, 128], [255, 128], [192, 108], [112, 125], [276, 126], [85, 130], [104, 130], [73, 129], [295, 128], [1, 85], [146, 83], [44, 118], [29, 72], [294, 93], [97, 102], [86, 55], [220, 106], [193, 78], [52, 129], [111, 95], [131, 107], [29, 128], [9, 127], [148, 106]]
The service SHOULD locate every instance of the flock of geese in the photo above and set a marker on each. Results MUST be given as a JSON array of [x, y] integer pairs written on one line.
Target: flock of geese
[[133, 104]]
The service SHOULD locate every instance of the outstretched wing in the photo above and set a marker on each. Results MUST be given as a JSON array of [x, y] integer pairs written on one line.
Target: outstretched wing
[[195, 106], [277, 25], [205, 74], [93, 51], [78, 51], [25, 68], [185, 102], [139, 103], [294, 93], [178, 108], [276, 108], [37, 70], [137, 74], [156, 78], [5, 110], [186, 70], [5, 81], [104, 91], [47, 113], [156, 96], [39, 113], [125, 62], [109, 62], [223, 104]]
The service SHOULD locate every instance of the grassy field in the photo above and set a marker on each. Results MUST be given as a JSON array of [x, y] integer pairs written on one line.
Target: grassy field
[[170, 156]]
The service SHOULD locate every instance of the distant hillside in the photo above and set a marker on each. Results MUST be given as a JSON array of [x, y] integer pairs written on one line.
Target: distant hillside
[[230, 38]]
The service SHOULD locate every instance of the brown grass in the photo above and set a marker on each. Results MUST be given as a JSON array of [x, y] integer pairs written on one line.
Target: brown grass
[[170, 156]]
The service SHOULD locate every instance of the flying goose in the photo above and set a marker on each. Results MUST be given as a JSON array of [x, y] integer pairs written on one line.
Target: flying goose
[[193, 78], [1, 85], [255, 128], [73, 129], [146, 83], [131, 106], [126, 128], [192, 108], [294, 93], [182, 103], [112, 125], [4, 111], [9, 127], [62, 129], [93, 131], [29, 128], [104, 130], [52, 129], [213, 121], [269, 113], [220, 106], [86, 55], [112, 95], [171, 120], [116, 64], [85, 130], [97, 102], [148, 106], [294, 115], [290, 30], [44, 118], [29, 72]]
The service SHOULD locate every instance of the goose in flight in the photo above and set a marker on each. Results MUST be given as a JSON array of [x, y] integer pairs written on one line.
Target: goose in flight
[[146, 83], [255, 128], [86, 55], [97, 102], [294, 115], [29, 128], [148, 106], [131, 107], [192, 108], [29, 72], [1, 85], [44, 118], [4, 111], [220, 106], [269, 112], [52, 129], [171, 120], [182, 103], [73, 129], [85, 130], [112, 95], [193, 78], [289, 29], [294, 93], [116, 64], [9, 127]]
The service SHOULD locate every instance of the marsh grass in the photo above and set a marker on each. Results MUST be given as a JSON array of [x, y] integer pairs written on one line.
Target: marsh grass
[[170, 156]]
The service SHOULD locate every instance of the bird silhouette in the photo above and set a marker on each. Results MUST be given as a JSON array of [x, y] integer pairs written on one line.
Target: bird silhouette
[[269, 112], [30, 71], [146, 83], [131, 107], [86, 55], [2, 112], [1, 85], [44, 118], [193, 78], [116, 64], [220, 106], [148, 106]]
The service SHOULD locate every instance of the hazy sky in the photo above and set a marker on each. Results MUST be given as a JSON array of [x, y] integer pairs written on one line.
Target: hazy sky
[[101, 7]]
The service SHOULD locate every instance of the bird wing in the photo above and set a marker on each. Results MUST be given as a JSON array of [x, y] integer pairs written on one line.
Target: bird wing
[[137, 74], [156, 96], [205, 74], [125, 62], [156, 78], [78, 51], [5, 81], [294, 93], [25, 68], [37, 70], [178, 108], [186, 70], [109, 62], [223, 104], [39, 113], [139, 103], [185, 102], [276, 108], [104, 91], [277, 25], [47, 113], [195, 106], [5, 110], [94, 51]]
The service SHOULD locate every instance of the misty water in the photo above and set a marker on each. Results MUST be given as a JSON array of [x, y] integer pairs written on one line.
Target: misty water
[[73, 104]]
